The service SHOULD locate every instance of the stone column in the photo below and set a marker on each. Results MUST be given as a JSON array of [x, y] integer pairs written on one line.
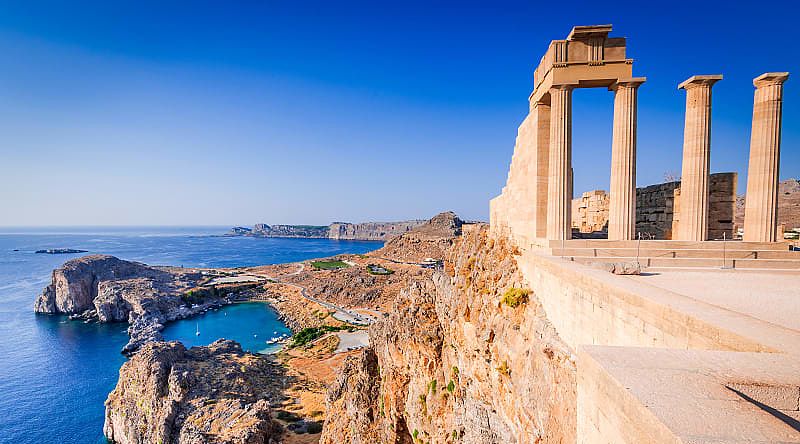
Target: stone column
[[559, 203], [693, 225], [761, 207], [542, 113], [622, 204]]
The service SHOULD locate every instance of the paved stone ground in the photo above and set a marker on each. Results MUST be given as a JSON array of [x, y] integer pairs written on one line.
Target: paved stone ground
[[770, 297], [357, 339]]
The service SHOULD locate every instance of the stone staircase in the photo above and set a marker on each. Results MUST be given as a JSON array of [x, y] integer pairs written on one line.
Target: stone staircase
[[654, 254]]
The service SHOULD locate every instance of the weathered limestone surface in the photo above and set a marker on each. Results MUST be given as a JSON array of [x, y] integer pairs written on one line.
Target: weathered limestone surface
[[535, 202], [760, 220], [590, 212], [657, 213], [103, 288], [217, 394], [453, 363], [622, 208], [696, 158], [560, 164], [721, 206]]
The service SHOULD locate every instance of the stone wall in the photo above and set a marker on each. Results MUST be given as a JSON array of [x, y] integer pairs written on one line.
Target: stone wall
[[721, 208], [590, 212], [657, 213]]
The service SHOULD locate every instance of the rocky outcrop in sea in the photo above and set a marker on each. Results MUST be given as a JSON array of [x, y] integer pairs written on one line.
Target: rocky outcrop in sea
[[216, 394], [103, 288]]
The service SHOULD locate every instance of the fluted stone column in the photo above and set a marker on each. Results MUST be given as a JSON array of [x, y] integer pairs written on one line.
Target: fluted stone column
[[693, 224], [559, 201], [761, 206], [622, 205]]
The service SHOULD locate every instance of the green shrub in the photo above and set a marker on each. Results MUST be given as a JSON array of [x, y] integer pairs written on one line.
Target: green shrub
[[432, 386], [309, 334], [514, 297], [314, 427], [283, 415], [503, 369], [451, 386], [328, 265]]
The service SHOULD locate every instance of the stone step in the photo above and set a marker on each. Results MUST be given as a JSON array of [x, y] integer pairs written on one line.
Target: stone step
[[763, 264], [669, 244], [675, 253]]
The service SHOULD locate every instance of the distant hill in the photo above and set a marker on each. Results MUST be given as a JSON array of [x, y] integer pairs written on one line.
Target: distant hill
[[788, 205], [374, 231]]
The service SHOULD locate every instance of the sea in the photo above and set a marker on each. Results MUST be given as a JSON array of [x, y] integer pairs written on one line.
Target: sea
[[55, 374]]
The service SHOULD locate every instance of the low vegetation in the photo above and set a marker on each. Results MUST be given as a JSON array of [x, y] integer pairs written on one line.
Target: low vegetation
[[329, 265], [514, 297], [309, 334]]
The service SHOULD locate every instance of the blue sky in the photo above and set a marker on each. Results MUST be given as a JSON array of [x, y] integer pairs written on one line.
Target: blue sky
[[131, 113]]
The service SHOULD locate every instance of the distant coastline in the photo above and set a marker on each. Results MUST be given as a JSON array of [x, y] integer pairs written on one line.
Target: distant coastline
[[365, 231]]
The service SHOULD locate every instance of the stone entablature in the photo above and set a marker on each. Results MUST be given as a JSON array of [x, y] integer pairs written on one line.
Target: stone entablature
[[587, 58]]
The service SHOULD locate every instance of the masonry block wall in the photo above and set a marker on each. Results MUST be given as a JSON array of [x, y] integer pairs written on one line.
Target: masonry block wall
[[721, 207], [657, 206]]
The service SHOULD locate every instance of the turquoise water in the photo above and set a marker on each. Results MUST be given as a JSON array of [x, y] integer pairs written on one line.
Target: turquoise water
[[250, 324], [55, 374]]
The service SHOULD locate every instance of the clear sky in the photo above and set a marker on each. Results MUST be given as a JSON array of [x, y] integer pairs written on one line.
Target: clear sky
[[167, 113]]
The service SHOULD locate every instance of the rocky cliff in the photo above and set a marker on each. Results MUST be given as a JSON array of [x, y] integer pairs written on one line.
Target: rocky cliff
[[106, 289], [215, 394], [432, 239], [372, 231], [377, 231], [304, 231], [466, 355]]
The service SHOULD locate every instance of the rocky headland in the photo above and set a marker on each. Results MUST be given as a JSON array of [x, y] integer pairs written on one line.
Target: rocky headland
[[218, 393], [102, 288], [372, 231], [215, 394]]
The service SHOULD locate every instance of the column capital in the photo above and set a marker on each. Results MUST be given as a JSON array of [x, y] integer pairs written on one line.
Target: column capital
[[770, 78], [703, 80], [564, 86], [630, 82]]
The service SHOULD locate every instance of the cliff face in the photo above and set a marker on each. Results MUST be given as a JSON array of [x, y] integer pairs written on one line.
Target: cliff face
[[304, 231], [74, 286], [372, 231], [430, 240], [106, 289], [377, 231], [215, 394], [466, 355]]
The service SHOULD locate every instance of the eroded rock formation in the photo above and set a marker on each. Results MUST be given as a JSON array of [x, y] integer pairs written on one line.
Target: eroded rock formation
[[466, 355], [429, 240], [216, 394], [106, 289]]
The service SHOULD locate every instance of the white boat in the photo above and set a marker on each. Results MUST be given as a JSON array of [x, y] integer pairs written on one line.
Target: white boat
[[197, 330]]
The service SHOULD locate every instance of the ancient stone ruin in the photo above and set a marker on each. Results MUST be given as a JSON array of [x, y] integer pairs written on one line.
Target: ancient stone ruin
[[536, 201]]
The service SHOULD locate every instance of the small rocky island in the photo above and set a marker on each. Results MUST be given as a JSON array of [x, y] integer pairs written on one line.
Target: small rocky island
[[60, 251]]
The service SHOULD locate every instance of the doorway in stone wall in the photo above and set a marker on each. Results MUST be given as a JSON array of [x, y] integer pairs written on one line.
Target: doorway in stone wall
[[592, 130]]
